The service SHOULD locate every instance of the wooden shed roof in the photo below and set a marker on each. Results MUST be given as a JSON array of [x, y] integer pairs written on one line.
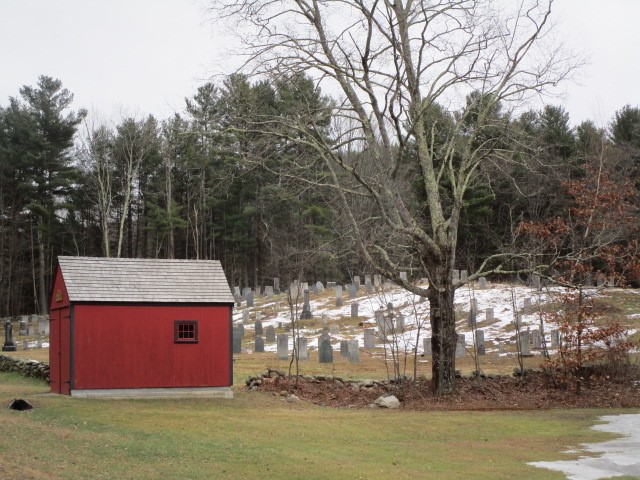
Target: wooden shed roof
[[96, 279]]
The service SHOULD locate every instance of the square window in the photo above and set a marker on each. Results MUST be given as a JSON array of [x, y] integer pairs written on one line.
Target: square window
[[185, 331]]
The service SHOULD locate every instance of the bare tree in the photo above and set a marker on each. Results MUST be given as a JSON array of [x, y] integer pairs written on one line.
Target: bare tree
[[420, 83]]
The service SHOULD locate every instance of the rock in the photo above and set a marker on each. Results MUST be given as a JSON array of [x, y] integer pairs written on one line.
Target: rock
[[387, 402], [293, 398], [367, 383]]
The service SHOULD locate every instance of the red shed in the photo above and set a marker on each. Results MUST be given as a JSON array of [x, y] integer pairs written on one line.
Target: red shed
[[126, 327]]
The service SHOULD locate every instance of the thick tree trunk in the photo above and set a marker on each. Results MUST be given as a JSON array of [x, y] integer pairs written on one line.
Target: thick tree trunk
[[443, 328]]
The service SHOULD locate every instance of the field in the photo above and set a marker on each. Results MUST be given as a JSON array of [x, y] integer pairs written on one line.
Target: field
[[257, 435]]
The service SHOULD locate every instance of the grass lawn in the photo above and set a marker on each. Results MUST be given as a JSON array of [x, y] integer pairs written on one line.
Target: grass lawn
[[257, 435]]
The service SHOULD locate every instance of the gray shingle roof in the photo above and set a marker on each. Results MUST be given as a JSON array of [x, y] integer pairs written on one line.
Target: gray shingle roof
[[96, 279]]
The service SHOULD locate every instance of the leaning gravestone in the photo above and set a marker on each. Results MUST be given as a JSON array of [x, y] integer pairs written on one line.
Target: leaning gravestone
[[354, 309], [426, 345], [344, 348], [369, 338], [353, 351], [258, 327], [460, 345], [270, 334], [480, 342], [259, 345], [325, 351], [283, 346]]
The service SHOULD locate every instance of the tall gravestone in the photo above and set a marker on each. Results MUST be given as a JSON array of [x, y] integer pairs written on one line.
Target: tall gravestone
[[338, 295], [270, 333], [525, 344], [426, 345], [303, 350], [47, 324], [480, 342], [377, 281], [9, 345], [356, 282], [400, 324], [237, 340], [352, 291], [325, 351], [555, 338], [536, 339], [460, 345], [283, 346], [369, 338], [354, 309], [471, 317], [258, 327], [245, 316], [306, 307], [344, 348], [368, 286], [259, 345], [353, 351], [250, 299], [276, 286], [24, 320], [527, 306], [456, 276]]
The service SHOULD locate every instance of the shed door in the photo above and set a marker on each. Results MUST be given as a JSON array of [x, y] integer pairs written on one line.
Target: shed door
[[59, 357]]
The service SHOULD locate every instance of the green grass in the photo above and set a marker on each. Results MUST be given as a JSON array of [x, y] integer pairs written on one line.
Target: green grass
[[257, 435]]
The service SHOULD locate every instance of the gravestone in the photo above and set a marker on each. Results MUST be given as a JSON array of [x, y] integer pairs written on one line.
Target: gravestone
[[324, 336], [25, 344], [320, 287], [270, 334], [356, 282], [471, 317], [245, 316], [303, 351], [535, 280], [555, 338], [237, 340], [527, 306], [368, 286], [525, 344], [482, 283], [460, 345], [353, 351], [258, 290], [489, 314], [47, 324], [599, 281], [333, 329], [480, 342], [39, 341], [403, 276], [456, 276], [283, 346], [502, 348], [338, 295], [464, 275], [369, 338], [9, 345], [325, 320], [426, 345], [315, 290], [268, 291], [400, 324], [518, 322], [325, 351], [259, 345], [31, 327], [377, 281], [245, 292], [258, 327], [249, 298], [344, 348], [381, 323], [536, 340], [304, 286], [276, 286], [24, 320], [473, 305], [240, 328], [352, 291], [306, 307], [354, 309]]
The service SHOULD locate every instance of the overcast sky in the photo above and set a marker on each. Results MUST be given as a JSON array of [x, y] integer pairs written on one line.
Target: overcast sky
[[146, 56]]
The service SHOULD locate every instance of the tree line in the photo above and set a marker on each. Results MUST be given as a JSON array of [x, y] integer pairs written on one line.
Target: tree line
[[222, 180]]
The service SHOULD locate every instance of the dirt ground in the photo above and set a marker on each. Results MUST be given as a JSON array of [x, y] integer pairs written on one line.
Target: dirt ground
[[533, 391]]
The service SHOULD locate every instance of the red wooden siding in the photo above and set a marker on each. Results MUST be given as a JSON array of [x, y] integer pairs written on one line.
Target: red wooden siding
[[59, 337], [132, 346]]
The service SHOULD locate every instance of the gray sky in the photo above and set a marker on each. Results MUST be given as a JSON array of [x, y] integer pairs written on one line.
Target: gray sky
[[146, 56]]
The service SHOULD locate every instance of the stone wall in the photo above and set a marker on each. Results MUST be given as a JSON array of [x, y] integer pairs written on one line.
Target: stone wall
[[28, 368]]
